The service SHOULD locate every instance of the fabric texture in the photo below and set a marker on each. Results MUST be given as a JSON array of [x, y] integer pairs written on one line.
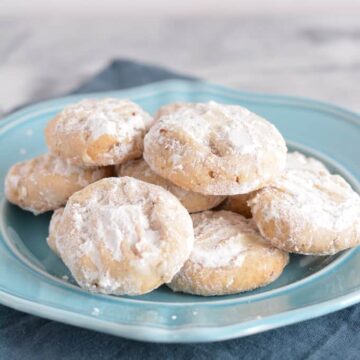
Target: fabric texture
[[24, 336]]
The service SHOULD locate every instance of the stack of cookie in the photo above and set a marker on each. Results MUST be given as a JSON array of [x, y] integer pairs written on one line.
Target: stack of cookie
[[139, 192]]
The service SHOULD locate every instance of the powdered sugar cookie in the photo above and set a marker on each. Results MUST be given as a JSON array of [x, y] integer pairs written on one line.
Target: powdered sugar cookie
[[308, 212], [124, 236], [297, 160], [193, 202], [170, 108], [215, 149], [229, 256], [55, 223], [46, 182], [98, 132], [294, 160]]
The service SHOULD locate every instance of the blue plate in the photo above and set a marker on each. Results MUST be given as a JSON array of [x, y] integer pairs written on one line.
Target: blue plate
[[33, 280]]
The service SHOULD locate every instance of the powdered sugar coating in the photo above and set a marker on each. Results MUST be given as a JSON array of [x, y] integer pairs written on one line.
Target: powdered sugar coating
[[124, 236], [55, 223], [46, 182], [229, 256], [98, 132], [308, 212], [193, 202], [215, 149], [294, 160], [116, 117], [223, 239], [170, 108], [297, 160]]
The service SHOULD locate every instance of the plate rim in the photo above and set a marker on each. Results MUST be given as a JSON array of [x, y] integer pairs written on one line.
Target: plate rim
[[171, 84], [179, 333]]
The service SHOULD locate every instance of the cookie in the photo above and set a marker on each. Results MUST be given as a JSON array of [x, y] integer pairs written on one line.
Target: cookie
[[215, 149], [229, 256], [297, 160], [193, 202], [294, 160], [55, 223], [123, 236], [170, 108], [98, 132], [46, 182], [308, 212]]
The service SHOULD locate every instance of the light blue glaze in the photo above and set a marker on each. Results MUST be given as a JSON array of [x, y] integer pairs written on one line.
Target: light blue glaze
[[31, 276]]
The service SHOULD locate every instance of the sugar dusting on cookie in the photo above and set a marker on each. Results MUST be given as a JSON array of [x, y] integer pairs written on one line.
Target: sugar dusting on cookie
[[102, 131], [34, 184], [229, 256], [193, 202], [296, 160], [116, 117], [222, 239], [324, 199], [312, 203], [215, 149], [125, 231]]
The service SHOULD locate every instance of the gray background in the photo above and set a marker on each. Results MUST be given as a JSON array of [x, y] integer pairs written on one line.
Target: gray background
[[307, 48]]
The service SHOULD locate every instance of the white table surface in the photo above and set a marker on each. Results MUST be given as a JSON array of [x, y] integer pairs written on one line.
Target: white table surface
[[303, 54]]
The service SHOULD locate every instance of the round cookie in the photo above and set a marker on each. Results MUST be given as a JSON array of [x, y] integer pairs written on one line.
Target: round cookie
[[308, 212], [294, 160], [98, 132], [46, 182], [229, 256], [193, 202], [170, 108], [124, 236], [215, 149], [54, 225]]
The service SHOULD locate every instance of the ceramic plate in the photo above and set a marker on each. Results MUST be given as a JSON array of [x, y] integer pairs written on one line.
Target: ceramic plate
[[33, 280]]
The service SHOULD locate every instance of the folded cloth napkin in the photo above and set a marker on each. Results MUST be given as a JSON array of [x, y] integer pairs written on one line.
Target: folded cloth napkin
[[24, 336]]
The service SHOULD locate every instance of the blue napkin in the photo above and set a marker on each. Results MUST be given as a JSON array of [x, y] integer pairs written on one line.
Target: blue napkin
[[24, 336]]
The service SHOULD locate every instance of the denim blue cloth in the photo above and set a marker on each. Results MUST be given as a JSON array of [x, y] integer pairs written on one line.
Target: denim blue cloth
[[23, 336]]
